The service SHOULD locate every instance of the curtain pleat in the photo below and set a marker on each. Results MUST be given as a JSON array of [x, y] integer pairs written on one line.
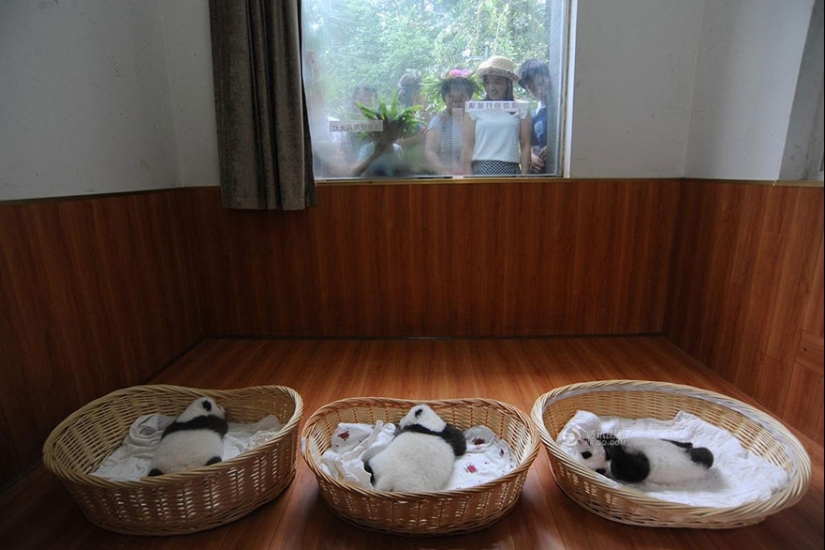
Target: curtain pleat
[[263, 132]]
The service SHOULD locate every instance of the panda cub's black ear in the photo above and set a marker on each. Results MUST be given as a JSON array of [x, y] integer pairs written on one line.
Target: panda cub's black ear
[[207, 405], [418, 412]]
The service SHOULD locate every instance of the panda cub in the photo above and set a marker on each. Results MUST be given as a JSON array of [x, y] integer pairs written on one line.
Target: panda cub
[[193, 440], [421, 456], [638, 459]]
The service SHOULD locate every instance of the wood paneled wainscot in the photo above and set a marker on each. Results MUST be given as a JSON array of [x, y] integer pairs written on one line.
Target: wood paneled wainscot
[[95, 294], [746, 294], [498, 259]]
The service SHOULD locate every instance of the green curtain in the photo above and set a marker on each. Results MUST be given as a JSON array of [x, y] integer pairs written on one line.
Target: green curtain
[[263, 131]]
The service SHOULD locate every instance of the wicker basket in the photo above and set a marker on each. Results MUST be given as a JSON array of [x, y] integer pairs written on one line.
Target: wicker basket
[[756, 431], [431, 513], [182, 502]]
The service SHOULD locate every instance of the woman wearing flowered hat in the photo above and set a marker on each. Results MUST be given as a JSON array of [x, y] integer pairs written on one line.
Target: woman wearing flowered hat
[[445, 138], [497, 134]]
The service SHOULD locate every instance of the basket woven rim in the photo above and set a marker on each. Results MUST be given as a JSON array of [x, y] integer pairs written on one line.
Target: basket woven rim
[[352, 402], [174, 478], [798, 481]]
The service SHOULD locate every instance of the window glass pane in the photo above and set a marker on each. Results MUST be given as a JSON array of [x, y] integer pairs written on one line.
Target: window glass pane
[[428, 88]]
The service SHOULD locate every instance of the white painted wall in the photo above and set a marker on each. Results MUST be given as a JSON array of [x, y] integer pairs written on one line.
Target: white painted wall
[[804, 145], [189, 58], [105, 96], [84, 99], [632, 82], [745, 82]]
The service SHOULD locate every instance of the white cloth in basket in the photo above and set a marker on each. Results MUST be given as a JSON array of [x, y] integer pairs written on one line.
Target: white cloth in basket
[[488, 457], [133, 459], [738, 476]]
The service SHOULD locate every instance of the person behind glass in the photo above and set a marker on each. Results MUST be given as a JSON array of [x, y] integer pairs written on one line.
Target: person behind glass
[[352, 143], [497, 141], [445, 137], [409, 95], [365, 95], [409, 90], [382, 158], [535, 78]]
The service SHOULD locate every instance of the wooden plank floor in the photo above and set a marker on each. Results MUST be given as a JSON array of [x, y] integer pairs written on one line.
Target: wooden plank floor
[[38, 513]]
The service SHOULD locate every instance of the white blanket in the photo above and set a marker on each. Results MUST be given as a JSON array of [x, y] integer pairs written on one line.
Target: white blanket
[[133, 459], [738, 476], [487, 458]]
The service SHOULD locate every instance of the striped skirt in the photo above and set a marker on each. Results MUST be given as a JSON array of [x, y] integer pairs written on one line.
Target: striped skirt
[[494, 167]]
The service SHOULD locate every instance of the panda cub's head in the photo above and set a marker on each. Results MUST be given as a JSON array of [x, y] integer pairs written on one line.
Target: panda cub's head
[[202, 406], [423, 415], [591, 453]]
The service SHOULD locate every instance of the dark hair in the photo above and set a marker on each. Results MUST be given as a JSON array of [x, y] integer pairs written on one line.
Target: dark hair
[[408, 86], [459, 81], [530, 69]]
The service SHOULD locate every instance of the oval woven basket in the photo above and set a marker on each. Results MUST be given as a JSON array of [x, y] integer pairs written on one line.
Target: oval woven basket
[[430, 513], [183, 502], [756, 431]]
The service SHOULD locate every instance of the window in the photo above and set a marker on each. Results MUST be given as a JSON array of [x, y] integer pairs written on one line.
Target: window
[[389, 86]]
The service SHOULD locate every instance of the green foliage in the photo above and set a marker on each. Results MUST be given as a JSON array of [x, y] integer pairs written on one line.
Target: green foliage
[[376, 41], [398, 123]]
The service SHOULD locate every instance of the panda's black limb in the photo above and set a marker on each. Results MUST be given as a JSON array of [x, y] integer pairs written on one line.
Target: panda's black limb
[[450, 434], [702, 456], [625, 466]]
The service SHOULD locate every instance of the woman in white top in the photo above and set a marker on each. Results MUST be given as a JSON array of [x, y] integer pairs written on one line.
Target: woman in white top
[[497, 135]]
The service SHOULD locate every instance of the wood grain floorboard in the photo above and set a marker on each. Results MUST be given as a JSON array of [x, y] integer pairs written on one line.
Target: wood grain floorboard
[[37, 513]]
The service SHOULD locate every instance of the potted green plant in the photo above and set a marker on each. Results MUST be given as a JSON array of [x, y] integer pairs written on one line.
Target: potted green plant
[[398, 123]]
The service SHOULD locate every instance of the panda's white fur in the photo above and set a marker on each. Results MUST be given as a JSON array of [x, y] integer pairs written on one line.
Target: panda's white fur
[[648, 459], [421, 456], [193, 440]]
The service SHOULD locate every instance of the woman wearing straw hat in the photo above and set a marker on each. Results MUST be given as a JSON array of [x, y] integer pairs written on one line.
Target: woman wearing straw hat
[[497, 130]]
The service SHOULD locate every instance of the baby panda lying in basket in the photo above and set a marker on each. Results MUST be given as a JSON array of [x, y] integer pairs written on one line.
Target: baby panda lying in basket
[[638, 459], [193, 440], [420, 457]]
